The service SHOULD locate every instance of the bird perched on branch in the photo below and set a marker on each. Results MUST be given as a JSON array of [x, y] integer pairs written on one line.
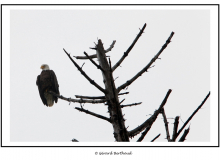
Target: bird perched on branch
[[47, 81]]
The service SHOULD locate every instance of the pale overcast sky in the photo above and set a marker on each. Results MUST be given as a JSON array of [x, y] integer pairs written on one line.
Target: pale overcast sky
[[38, 36]]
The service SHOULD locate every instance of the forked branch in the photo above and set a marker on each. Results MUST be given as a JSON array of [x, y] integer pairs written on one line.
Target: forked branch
[[147, 66]]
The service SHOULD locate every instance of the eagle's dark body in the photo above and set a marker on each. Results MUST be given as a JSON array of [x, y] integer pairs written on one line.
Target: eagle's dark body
[[47, 81]]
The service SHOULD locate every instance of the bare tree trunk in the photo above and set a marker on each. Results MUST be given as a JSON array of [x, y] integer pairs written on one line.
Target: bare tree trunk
[[111, 95]]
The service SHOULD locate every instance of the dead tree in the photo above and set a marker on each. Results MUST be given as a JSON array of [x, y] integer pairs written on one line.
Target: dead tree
[[111, 93]]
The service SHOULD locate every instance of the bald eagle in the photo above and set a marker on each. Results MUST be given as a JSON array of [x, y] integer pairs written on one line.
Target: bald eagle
[[47, 81]]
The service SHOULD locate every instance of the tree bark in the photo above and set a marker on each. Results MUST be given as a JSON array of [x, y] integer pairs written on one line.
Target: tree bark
[[111, 95]]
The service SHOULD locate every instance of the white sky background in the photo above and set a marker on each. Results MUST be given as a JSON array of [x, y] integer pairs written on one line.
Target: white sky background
[[39, 36]]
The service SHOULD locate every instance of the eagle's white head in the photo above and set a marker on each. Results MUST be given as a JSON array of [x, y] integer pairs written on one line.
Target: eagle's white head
[[45, 67]]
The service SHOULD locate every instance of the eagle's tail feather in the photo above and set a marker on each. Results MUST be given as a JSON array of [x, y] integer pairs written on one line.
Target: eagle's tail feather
[[50, 99]]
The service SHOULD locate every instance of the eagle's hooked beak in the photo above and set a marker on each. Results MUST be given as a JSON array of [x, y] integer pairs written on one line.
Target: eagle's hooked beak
[[41, 67]]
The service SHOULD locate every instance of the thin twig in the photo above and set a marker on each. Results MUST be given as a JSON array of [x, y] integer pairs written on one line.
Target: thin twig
[[143, 134], [129, 105], [98, 66], [184, 125], [111, 46], [82, 65], [147, 66], [129, 49], [155, 138], [123, 93], [122, 101], [93, 114], [115, 78], [84, 74], [77, 100], [110, 64]]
